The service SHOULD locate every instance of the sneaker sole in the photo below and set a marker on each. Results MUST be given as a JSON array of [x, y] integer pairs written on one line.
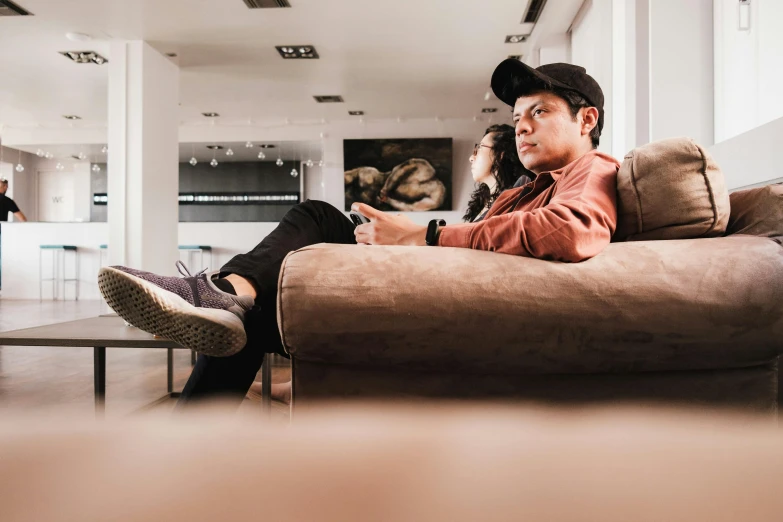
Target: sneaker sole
[[148, 307]]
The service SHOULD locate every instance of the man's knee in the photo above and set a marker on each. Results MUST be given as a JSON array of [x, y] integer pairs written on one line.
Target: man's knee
[[315, 206]]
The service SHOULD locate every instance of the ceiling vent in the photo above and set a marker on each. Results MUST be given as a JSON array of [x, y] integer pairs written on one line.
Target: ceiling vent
[[329, 99], [534, 10], [266, 4], [84, 56], [8, 8]]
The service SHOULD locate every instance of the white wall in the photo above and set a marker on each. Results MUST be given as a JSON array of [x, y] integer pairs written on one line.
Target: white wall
[[682, 70], [752, 158], [591, 47], [748, 67]]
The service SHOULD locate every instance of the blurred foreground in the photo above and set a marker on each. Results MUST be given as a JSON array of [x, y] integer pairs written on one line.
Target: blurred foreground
[[369, 462]]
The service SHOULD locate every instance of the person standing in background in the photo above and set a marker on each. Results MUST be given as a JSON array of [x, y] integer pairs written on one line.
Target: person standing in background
[[7, 205]]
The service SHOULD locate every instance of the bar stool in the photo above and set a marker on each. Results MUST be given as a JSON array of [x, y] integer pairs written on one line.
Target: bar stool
[[101, 250], [58, 270], [192, 250]]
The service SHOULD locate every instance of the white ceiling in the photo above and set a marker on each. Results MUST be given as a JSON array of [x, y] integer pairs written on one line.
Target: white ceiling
[[390, 58]]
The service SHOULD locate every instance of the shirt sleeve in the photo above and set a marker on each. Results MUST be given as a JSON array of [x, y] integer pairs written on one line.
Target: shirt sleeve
[[577, 224], [12, 206]]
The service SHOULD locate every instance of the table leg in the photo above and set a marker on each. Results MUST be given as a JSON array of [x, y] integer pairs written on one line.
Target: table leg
[[170, 370], [266, 385], [99, 371]]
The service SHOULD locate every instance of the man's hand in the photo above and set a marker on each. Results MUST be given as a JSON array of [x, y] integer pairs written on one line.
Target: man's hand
[[386, 229]]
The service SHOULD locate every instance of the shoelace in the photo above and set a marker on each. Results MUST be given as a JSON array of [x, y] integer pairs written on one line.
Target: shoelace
[[183, 270], [191, 280]]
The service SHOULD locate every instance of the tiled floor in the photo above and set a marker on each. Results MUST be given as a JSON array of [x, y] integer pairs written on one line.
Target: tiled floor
[[54, 379]]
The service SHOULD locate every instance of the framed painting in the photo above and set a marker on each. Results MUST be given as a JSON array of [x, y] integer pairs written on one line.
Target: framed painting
[[399, 174]]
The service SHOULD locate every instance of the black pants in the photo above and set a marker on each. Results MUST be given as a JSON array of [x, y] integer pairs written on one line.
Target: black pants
[[230, 377]]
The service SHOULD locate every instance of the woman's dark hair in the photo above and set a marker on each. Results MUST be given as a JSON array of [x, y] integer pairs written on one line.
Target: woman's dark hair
[[506, 168]]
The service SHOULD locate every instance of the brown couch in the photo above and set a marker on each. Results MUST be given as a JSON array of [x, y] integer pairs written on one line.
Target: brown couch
[[685, 306]]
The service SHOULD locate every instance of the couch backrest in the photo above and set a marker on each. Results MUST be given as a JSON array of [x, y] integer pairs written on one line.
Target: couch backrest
[[757, 211], [670, 189]]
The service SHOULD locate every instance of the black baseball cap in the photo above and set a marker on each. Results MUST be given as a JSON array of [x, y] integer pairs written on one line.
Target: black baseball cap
[[563, 75]]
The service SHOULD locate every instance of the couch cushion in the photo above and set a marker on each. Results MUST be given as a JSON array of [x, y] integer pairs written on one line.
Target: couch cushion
[[695, 304], [670, 189], [757, 211]]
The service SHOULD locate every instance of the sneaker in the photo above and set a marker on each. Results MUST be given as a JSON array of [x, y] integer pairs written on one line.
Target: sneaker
[[189, 310]]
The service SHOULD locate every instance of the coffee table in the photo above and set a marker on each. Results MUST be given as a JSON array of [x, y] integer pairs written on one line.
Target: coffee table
[[109, 331]]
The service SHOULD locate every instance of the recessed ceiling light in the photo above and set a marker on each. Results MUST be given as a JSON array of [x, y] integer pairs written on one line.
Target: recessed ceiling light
[[489, 110], [515, 57], [266, 146], [293, 52], [78, 37], [210, 114], [215, 147], [332, 98], [356, 113], [85, 57], [72, 117], [516, 38], [171, 55]]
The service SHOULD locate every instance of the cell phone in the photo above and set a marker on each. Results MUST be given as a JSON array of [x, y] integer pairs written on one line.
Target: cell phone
[[357, 218]]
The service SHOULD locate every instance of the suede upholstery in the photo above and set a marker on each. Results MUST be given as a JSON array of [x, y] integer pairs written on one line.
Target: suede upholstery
[[699, 319], [670, 189], [757, 211]]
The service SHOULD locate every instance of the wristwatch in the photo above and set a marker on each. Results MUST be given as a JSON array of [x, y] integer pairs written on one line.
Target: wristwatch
[[433, 231]]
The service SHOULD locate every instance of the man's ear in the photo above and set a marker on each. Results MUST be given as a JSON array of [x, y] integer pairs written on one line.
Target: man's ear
[[589, 119]]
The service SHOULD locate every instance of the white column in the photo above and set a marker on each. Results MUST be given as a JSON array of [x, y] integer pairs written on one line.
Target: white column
[[143, 155]]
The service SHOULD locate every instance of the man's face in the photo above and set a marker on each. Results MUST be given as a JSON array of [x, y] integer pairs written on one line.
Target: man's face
[[548, 138], [3, 187]]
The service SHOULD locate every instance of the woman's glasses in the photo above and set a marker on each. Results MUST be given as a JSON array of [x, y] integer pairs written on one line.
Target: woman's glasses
[[476, 148]]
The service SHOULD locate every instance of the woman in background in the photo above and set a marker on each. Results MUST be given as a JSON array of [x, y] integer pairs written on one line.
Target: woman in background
[[495, 167]]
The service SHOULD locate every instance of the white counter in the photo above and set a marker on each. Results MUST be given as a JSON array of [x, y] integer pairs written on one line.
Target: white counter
[[21, 246]]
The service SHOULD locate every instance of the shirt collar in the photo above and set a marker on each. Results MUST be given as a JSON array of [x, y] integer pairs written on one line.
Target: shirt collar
[[559, 173]]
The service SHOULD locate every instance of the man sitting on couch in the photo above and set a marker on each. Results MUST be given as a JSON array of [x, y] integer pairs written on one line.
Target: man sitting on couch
[[567, 214]]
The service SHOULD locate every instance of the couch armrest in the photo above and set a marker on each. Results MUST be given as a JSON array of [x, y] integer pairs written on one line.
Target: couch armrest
[[643, 306]]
